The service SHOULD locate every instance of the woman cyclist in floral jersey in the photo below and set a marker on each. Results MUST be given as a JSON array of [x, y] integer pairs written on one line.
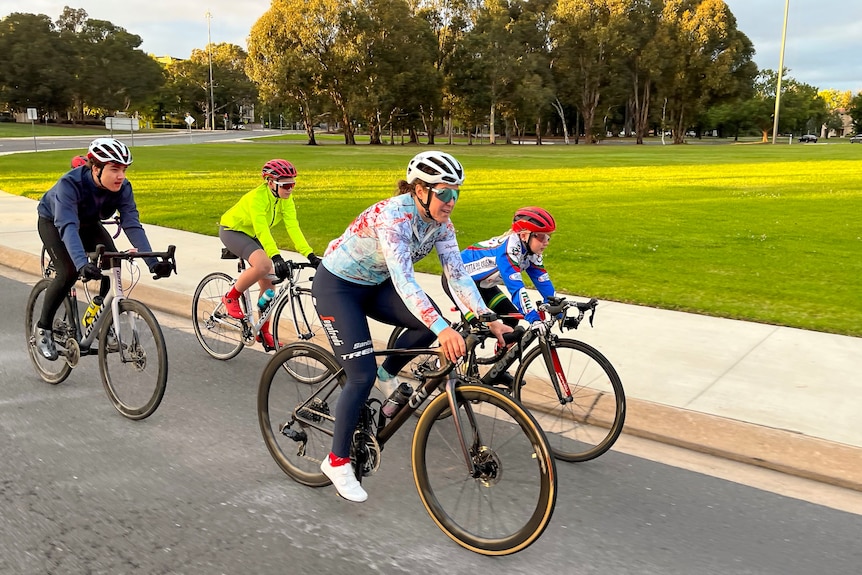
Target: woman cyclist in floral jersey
[[368, 272]]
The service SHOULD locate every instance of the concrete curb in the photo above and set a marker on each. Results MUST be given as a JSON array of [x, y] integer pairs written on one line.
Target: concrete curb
[[776, 449]]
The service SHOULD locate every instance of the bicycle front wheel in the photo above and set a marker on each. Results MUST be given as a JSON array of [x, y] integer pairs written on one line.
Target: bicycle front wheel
[[577, 397], [296, 417], [133, 360], [300, 323], [504, 501], [218, 333], [63, 327]]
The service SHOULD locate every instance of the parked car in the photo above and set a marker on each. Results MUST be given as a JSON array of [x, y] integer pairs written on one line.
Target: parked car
[[857, 139], [808, 138]]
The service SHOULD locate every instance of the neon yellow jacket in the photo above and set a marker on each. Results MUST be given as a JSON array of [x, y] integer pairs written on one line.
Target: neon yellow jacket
[[258, 211]]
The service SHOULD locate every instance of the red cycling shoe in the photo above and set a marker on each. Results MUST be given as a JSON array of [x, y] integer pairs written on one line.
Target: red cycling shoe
[[232, 307], [267, 340]]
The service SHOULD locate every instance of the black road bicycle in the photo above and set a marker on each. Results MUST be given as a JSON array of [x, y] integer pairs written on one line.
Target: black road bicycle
[[572, 389], [486, 476], [133, 359], [223, 337]]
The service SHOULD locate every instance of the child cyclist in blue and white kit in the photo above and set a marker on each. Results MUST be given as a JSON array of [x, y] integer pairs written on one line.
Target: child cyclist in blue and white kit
[[502, 260], [368, 273]]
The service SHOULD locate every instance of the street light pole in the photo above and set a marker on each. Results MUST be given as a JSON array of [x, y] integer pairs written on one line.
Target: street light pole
[[210, 58], [780, 72]]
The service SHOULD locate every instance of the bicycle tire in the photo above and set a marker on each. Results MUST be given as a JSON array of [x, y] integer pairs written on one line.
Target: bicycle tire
[[219, 334], [63, 327], [134, 388], [283, 326], [280, 401], [479, 512], [588, 425]]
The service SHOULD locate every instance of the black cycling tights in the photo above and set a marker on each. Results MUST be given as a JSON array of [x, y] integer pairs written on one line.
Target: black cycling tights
[[92, 234], [344, 308], [495, 299]]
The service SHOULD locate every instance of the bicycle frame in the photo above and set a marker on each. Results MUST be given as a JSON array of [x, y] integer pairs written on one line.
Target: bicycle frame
[[288, 289], [86, 335], [431, 381]]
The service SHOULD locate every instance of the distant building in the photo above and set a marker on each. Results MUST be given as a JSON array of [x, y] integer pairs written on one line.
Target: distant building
[[165, 60]]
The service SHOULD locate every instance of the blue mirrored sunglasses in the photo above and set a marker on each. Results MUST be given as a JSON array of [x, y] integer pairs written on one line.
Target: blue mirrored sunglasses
[[446, 195]]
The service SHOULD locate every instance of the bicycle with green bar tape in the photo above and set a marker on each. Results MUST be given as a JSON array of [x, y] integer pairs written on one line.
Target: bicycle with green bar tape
[[486, 475], [223, 336], [47, 265], [571, 387], [133, 358]]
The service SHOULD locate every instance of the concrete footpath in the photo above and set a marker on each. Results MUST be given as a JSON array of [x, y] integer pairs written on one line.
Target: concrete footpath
[[781, 398]]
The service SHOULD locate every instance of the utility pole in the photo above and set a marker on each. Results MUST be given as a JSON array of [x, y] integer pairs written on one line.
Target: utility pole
[[780, 72], [210, 58]]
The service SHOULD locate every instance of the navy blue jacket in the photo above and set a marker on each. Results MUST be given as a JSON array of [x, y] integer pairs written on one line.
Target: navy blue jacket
[[76, 200]]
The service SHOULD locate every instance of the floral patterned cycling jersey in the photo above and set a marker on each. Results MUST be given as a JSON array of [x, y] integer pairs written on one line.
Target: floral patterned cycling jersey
[[385, 241]]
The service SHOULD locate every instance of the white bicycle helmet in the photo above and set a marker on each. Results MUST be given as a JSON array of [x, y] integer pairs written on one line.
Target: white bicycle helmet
[[105, 150], [434, 167]]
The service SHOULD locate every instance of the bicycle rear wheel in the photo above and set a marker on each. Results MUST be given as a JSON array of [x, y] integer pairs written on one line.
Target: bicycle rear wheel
[[133, 360], [296, 417], [508, 502], [584, 422], [64, 330], [218, 333]]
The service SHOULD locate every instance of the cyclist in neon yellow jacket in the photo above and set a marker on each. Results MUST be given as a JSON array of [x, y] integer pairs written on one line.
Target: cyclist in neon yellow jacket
[[246, 230]]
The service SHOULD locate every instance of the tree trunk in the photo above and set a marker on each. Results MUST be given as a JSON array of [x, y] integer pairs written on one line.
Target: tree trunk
[[491, 137], [558, 106]]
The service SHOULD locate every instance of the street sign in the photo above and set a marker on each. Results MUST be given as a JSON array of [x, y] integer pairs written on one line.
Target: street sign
[[190, 120], [32, 114]]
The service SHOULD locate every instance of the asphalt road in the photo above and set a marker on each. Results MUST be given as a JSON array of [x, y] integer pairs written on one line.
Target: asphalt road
[[45, 143], [193, 490]]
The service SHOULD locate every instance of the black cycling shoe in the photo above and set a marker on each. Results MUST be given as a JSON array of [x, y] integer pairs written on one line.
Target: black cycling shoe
[[45, 343], [505, 380]]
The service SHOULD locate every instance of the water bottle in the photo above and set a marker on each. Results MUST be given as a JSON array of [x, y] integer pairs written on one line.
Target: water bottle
[[398, 398], [92, 310], [265, 298]]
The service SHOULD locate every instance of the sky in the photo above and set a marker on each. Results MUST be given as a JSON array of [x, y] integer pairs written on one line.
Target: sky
[[821, 47]]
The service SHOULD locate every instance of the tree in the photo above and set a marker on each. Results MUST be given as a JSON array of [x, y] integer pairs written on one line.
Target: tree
[[37, 71], [399, 85], [294, 56], [706, 59], [112, 73], [854, 109], [588, 38]]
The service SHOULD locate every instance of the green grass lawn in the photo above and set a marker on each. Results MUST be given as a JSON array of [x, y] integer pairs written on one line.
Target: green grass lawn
[[756, 232]]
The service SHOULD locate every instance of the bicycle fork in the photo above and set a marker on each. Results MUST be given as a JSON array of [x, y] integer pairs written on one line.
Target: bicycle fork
[[556, 373], [469, 458]]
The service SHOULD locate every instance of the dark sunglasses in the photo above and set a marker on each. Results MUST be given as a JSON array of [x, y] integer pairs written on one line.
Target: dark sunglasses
[[285, 185], [446, 195]]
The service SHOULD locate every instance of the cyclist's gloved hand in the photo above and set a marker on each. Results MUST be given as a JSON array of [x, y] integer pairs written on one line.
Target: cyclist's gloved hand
[[280, 266], [539, 327], [161, 269], [313, 260], [90, 271]]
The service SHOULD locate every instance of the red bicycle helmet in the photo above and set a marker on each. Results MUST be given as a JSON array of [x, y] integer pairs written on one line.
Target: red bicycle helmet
[[78, 161], [277, 170], [532, 219]]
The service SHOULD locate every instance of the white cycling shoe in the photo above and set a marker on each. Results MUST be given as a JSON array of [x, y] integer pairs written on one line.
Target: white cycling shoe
[[344, 480]]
